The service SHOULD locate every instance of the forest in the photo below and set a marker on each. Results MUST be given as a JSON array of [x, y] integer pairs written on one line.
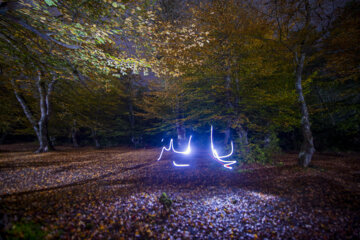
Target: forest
[[179, 119]]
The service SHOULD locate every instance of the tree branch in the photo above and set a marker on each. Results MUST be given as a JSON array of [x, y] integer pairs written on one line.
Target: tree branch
[[37, 32], [40, 87], [49, 91], [25, 108]]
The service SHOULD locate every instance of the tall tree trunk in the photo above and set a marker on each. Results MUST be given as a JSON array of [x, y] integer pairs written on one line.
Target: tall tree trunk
[[181, 133], [40, 127], [135, 138], [95, 138], [240, 129], [229, 105], [74, 134], [130, 99], [180, 129], [307, 147], [132, 121], [227, 133], [244, 141], [45, 143]]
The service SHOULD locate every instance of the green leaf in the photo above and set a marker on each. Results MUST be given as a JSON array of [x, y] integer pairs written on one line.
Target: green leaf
[[100, 40], [122, 6], [50, 3], [114, 4]]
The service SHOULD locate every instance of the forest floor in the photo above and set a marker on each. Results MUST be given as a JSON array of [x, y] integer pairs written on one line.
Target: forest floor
[[114, 193]]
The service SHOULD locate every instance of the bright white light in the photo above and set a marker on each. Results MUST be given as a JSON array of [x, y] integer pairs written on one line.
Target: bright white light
[[188, 150], [166, 149], [220, 158], [171, 147], [180, 165]]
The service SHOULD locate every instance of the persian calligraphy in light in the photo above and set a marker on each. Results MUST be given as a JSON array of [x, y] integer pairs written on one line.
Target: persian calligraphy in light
[[220, 159]]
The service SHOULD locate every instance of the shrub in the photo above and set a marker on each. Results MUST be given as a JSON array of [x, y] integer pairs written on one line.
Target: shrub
[[262, 151], [25, 230], [166, 203]]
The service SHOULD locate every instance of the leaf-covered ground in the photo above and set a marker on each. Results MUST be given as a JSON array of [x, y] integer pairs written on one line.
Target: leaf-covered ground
[[114, 194]]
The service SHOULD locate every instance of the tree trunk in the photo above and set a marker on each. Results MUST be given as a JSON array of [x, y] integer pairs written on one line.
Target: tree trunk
[[229, 106], [307, 147], [132, 122], [97, 143], [40, 127], [45, 143], [240, 130], [96, 139], [227, 133], [244, 141], [130, 99], [180, 129], [73, 135], [44, 139], [181, 133], [136, 141]]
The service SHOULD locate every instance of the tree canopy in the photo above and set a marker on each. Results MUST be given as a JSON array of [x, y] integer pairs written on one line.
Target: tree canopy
[[267, 74]]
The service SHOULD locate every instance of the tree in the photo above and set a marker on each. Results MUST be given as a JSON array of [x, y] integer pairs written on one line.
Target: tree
[[300, 27], [336, 81], [341, 48], [41, 126], [65, 38], [212, 62], [173, 36]]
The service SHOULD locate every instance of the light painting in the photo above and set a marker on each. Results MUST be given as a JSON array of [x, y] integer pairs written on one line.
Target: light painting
[[220, 159], [171, 147]]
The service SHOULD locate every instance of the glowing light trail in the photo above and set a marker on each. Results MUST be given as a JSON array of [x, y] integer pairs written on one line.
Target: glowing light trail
[[188, 150], [220, 158], [180, 165], [166, 149], [215, 154], [171, 147]]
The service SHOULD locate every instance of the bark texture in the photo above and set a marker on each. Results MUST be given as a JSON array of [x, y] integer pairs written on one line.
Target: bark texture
[[307, 147], [74, 135], [40, 126]]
